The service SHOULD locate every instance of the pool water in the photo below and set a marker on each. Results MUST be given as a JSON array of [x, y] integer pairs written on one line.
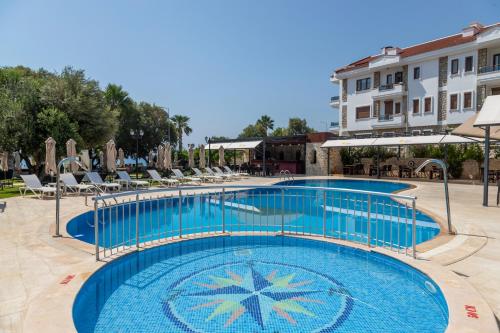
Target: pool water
[[302, 211], [258, 284]]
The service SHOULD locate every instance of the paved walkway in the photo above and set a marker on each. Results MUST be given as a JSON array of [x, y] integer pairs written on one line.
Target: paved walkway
[[32, 261]]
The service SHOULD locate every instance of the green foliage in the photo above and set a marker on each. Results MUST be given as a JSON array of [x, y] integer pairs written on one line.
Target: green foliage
[[280, 131], [252, 131], [473, 152], [266, 123], [298, 126], [182, 127]]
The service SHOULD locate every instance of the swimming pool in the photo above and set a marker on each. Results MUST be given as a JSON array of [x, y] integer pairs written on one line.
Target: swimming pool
[[258, 284], [305, 207]]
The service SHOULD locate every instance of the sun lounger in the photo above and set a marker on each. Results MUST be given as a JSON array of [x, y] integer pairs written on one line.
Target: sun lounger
[[186, 180], [95, 179], [223, 175], [207, 177], [156, 178], [241, 174], [33, 184], [218, 171], [70, 183], [125, 179]]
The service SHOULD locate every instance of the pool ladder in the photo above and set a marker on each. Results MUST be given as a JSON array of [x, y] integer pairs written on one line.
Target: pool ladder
[[286, 175]]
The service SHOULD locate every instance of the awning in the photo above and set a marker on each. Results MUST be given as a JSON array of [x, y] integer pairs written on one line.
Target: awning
[[467, 129], [234, 145], [490, 112], [398, 141]]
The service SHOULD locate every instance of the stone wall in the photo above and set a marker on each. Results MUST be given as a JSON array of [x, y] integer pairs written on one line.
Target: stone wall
[[482, 58], [405, 77], [376, 80], [470, 170], [344, 116], [442, 105], [320, 166], [481, 93], [344, 90], [443, 71], [376, 108]]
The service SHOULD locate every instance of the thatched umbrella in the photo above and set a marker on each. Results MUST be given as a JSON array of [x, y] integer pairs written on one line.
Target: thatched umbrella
[[4, 161], [50, 156], [85, 159], [168, 157], [191, 156], [202, 156], [121, 158], [111, 156], [159, 157], [71, 152], [17, 161], [151, 159], [222, 161]]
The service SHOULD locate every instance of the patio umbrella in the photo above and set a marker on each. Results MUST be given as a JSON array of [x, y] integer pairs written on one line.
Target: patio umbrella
[[202, 156], [121, 158], [111, 156], [159, 157], [168, 157], [4, 159], [191, 156], [101, 159], [85, 159], [222, 162], [17, 161], [151, 159], [71, 152], [50, 156]]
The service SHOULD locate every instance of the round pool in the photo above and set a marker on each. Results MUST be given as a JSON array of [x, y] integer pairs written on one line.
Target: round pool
[[258, 284]]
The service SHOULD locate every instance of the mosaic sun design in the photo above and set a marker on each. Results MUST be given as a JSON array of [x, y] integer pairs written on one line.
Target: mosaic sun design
[[257, 296]]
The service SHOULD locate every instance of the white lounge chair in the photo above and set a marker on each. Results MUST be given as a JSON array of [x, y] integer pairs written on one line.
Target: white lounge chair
[[156, 178], [33, 184], [185, 180], [125, 178], [207, 177], [241, 174], [218, 171], [95, 179], [70, 183], [213, 173]]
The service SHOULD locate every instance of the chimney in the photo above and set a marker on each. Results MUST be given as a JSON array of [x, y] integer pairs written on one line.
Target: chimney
[[471, 29], [390, 50]]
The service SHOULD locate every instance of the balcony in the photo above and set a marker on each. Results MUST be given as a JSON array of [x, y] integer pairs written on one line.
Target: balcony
[[385, 117], [335, 102], [334, 127], [388, 91], [387, 121], [489, 75]]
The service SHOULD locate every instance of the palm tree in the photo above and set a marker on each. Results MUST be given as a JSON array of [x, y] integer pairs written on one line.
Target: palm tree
[[266, 123], [116, 97], [181, 124]]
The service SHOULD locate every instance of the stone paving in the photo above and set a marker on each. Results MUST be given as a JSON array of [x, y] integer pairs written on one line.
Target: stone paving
[[33, 263]]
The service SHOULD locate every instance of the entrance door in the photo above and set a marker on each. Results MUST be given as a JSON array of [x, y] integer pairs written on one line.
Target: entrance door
[[495, 91], [389, 109]]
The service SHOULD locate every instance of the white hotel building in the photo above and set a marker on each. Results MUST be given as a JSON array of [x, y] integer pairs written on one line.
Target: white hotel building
[[422, 89]]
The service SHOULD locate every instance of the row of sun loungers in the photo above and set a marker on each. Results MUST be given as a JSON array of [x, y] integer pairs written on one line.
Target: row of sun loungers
[[93, 181]]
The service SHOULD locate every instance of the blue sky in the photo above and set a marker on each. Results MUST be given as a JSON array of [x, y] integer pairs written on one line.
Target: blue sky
[[224, 63]]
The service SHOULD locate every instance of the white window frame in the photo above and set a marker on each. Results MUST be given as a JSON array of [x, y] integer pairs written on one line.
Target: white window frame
[[458, 102], [458, 67], [432, 105], [419, 73], [471, 100], [419, 106]]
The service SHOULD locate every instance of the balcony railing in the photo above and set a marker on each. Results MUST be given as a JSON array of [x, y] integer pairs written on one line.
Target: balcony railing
[[386, 87], [385, 117], [334, 124], [489, 69], [334, 99]]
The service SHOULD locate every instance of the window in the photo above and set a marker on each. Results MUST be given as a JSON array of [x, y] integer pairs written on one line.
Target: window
[[388, 79], [363, 112], [416, 106], [363, 84], [428, 104], [398, 77], [468, 100], [468, 64], [454, 102], [496, 61], [454, 66], [397, 108], [416, 73]]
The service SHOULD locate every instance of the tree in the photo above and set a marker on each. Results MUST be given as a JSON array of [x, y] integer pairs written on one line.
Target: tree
[[182, 127], [280, 131], [252, 131], [297, 126], [266, 123]]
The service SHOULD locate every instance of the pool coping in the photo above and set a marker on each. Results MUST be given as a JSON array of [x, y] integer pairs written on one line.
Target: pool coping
[[460, 296]]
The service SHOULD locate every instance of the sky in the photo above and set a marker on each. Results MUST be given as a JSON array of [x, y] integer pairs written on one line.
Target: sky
[[224, 63]]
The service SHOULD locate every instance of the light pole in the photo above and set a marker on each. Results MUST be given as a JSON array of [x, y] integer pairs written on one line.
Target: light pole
[[137, 135]]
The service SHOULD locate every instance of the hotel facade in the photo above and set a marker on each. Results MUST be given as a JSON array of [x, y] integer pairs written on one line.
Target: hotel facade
[[422, 89]]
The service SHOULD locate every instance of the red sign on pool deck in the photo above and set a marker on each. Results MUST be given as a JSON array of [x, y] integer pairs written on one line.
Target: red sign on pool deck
[[67, 279], [471, 311]]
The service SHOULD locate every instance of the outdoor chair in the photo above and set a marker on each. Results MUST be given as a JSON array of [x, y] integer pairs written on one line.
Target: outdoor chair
[[185, 180], [218, 171], [207, 177], [95, 179], [241, 174], [33, 184], [156, 178], [125, 179], [215, 173], [71, 184]]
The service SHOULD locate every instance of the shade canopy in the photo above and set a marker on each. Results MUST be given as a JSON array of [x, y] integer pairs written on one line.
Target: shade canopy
[[467, 129], [234, 145], [71, 152], [4, 161], [167, 157], [17, 161], [85, 159], [160, 157], [151, 157], [398, 141], [50, 155], [490, 112]]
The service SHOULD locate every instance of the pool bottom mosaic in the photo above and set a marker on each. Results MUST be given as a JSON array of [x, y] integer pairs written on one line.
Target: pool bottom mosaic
[[258, 284]]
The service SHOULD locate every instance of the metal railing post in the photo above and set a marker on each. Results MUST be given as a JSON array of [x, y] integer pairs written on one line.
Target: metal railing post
[[180, 213], [414, 229], [137, 238], [368, 226], [282, 212], [324, 214], [96, 229], [223, 204]]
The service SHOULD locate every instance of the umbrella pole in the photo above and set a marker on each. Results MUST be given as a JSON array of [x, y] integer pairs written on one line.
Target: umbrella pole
[[486, 168]]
